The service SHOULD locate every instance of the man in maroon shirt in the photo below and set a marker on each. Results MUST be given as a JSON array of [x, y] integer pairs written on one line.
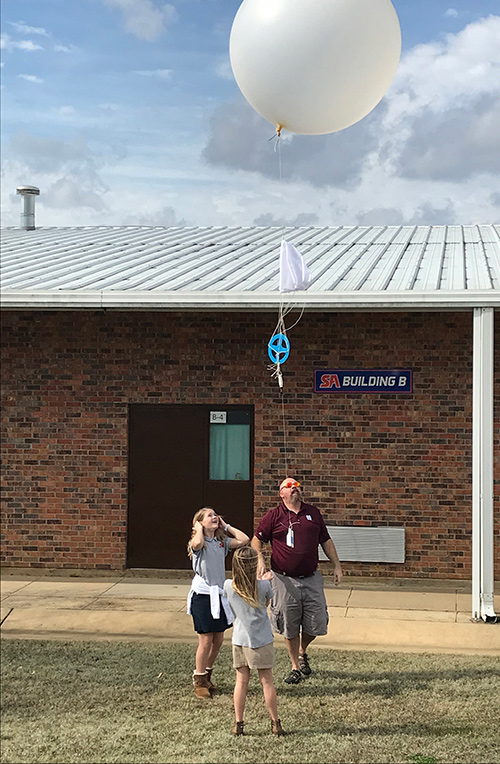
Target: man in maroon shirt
[[298, 608]]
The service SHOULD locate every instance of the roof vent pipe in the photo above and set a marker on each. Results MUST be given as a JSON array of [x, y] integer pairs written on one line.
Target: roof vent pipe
[[28, 213]]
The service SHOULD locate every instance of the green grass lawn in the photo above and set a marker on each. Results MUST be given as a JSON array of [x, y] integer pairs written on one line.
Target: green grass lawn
[[133, 702]]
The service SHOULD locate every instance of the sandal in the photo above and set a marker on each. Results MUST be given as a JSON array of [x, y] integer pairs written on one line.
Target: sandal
[[304, 665], [294, 677]]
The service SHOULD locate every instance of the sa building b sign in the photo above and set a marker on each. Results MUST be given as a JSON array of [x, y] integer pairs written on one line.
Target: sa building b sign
[[390, 381]]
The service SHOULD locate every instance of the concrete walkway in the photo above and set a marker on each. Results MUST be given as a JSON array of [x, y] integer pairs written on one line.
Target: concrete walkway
[[365, 614]]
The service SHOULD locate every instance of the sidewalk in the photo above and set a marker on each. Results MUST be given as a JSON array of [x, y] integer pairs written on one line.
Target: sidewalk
[[365, 614]]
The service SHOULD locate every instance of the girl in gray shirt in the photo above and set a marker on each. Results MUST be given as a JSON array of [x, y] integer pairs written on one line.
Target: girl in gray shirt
[[211, 540], [253, 646]]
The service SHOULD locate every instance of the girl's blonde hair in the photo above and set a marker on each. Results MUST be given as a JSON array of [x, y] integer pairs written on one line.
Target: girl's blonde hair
[[245, 582], [198, 517]]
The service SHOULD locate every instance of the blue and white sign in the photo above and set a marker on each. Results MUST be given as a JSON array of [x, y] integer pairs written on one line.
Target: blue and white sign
[[391, 381]]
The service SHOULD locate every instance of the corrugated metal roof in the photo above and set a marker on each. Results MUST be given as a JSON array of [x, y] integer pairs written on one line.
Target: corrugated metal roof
[[238, 268]]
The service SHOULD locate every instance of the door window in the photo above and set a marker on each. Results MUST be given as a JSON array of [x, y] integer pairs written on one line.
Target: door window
[[229, 445]]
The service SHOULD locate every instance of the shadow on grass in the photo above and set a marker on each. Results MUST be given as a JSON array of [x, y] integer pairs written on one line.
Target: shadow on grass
[[386, 730], [386, 684], [340, 730]]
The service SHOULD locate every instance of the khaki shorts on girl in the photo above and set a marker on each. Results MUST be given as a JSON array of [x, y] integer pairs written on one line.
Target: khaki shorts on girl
[[254, 657]]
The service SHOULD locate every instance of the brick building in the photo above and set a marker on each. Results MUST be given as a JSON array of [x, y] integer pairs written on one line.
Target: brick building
[[137, 388]]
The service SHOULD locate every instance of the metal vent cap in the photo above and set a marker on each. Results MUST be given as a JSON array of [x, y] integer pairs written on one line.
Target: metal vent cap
[[28, 190]]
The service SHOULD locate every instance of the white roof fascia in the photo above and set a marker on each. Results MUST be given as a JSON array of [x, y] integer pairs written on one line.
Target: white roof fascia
[[247, 301]]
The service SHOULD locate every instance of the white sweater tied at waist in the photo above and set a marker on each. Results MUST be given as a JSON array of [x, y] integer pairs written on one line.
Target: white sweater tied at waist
[[200, 586]]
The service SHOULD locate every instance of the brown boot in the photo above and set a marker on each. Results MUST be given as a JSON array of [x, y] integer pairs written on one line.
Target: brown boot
[[211, 685], [201, 688], [276, 728], [238, 729]]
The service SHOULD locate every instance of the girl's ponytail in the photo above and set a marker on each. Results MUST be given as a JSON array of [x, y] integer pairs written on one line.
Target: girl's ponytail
[[245, 582]]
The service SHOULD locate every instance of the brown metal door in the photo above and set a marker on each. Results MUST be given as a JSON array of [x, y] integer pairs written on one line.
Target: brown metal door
[[169, 479], [165, 487]]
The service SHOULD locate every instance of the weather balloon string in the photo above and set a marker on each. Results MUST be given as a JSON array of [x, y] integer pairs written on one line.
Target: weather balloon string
[[293, 275]]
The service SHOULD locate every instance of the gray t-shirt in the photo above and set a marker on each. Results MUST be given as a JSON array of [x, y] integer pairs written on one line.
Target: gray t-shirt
[[252, 627], [209, 561]]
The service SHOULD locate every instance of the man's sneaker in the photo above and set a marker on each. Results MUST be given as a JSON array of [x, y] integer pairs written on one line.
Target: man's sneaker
[[294, 677], [304, 665]]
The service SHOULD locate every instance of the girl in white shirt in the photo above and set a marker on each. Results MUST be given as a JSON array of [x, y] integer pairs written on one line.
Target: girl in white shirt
[[208, 546], [253, 646]]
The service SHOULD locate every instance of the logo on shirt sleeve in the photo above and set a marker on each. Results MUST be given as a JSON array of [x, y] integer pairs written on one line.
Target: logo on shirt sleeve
[[308, 517]]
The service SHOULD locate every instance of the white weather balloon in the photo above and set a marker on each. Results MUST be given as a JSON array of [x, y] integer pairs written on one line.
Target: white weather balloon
[[314, 66]]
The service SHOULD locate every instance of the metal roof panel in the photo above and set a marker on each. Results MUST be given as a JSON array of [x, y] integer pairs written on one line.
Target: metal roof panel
[[221, 263]]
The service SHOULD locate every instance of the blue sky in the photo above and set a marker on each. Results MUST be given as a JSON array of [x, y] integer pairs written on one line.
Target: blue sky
[[126, 112]]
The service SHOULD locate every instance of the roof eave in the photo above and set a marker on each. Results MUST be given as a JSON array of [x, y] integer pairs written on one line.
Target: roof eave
[[246, 301]]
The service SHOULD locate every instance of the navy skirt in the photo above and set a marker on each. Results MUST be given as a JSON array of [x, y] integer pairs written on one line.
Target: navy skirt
[[204, 622]]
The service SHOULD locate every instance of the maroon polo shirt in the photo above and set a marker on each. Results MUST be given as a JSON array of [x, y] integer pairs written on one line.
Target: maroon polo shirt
[[309, 530]]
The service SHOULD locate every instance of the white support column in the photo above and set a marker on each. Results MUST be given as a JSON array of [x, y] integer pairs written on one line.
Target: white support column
[[482, 466]]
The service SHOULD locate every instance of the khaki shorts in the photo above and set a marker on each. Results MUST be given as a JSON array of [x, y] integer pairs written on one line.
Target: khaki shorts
[[254, 657], [299, 603]]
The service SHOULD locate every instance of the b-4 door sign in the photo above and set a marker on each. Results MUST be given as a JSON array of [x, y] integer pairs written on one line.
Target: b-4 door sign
[[390, 381]]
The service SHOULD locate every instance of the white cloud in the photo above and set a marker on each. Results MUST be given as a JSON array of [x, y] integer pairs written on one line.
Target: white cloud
[[302, 219], [442, 114], [64, 48], [448, 74], [30, 78], [49, 155], [69, 175], [161, 74], [111, 107], [143, 19], [223, 69], [65, 111], [7, 43], [455, 145], [451, 12], [166, 216], [70, 192], [23, 28]]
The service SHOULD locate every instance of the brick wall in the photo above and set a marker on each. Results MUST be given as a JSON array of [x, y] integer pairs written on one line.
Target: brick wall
[[68, 378]]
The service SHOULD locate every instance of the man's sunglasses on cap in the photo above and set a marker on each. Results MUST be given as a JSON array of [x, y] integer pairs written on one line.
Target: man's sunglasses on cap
[[291, 484]]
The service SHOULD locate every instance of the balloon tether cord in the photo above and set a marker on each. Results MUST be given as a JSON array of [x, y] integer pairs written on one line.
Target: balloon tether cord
[[285, 446], [283, 311]]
